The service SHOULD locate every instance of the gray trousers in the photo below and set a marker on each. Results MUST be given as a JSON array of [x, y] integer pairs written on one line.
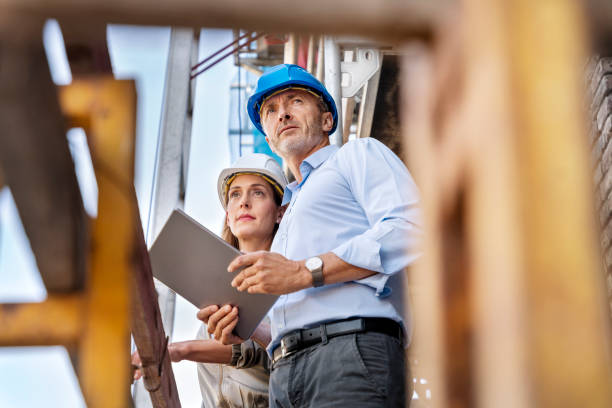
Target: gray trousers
[[354, 370]]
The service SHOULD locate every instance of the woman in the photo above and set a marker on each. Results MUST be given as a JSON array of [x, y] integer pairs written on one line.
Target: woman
[[251, 193]]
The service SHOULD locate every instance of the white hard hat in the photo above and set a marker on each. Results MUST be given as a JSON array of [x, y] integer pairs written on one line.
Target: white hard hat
[[253, 163]]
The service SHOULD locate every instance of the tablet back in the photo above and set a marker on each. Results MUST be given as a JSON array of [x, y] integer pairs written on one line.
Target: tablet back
[[192, 261]]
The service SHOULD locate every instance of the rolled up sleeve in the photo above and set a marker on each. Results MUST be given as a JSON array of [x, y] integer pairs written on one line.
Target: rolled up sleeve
[[250, 354], [384, 189]]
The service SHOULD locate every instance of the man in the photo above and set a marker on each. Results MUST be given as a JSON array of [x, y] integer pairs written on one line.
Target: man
[[337, 331]]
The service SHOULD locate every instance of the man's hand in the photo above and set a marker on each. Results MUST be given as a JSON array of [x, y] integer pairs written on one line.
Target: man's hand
[[221, 323], [269, 272]]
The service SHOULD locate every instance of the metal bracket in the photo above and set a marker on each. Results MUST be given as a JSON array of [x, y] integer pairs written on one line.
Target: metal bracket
[[355, 74]]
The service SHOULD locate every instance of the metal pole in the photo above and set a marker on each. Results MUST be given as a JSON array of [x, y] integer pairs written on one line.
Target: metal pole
[[291, 50], [320, 58], [310, 58], [333, 75], [168, 193], [368, 102]]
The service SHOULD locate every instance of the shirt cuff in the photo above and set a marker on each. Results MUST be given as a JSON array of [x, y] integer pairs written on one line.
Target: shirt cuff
[[378, 281], [362, 252]]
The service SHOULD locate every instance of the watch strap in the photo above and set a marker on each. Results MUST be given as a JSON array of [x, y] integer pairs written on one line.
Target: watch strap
[[317, 277]]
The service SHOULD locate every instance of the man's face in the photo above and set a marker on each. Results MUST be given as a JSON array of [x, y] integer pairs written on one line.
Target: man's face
[[294, 123]]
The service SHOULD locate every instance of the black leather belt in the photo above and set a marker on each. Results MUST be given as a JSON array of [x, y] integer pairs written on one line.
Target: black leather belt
[[300, 339]]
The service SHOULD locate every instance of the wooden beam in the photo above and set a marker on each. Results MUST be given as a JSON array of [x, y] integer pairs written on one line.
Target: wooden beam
[[37, 164], [87, 54], [484, 131], [387, 19], [58, 320], [599, 13], [148, 330], [569, 362], [510, 273], [427, 303], [103, 353]]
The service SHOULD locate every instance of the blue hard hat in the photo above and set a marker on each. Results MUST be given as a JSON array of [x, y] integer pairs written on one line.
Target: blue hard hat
[[287, 76]]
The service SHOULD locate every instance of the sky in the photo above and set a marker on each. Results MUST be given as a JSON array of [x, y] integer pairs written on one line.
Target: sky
[[43, 376]]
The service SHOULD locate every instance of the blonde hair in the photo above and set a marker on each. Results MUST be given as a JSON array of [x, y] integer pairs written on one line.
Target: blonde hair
[[227, 234]]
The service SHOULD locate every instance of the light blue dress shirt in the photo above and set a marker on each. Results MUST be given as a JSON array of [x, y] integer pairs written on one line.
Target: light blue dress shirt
[[360, 202]]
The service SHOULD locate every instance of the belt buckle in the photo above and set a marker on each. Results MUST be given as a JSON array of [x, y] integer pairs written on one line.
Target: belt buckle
[[285, 351], [290, 344]]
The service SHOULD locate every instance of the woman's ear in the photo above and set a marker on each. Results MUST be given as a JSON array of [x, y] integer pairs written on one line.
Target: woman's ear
[[227, 219], [280, 213]]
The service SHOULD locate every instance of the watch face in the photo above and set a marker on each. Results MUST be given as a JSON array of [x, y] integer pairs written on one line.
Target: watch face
[[314, 263]]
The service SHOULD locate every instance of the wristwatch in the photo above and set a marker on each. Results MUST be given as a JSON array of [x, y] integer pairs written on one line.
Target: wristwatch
[[315, 266]]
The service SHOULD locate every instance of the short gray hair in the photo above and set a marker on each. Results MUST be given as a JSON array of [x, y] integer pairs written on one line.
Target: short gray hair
[[323, 106]]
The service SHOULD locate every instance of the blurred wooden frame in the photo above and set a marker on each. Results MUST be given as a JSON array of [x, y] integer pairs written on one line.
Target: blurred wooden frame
[[94, 322], [509, 310], [513, 311]]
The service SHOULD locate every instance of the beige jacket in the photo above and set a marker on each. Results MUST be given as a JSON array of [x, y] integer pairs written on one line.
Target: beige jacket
[[244, 385]]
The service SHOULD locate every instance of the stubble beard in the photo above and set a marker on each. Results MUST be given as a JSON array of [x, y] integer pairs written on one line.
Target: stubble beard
[[294, 146]]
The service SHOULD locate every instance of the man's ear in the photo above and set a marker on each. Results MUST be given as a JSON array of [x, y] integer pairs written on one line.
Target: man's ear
[[328, 121]]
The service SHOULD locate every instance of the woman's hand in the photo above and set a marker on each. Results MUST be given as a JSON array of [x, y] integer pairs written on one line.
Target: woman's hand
[[136, 366], [179, 351], [176, 351], [221, 323]]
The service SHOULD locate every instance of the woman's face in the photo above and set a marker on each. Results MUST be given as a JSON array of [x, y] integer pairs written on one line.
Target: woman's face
[[251, 210]]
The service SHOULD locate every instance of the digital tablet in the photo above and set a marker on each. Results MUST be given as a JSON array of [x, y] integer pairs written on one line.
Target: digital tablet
[[192, 261]]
